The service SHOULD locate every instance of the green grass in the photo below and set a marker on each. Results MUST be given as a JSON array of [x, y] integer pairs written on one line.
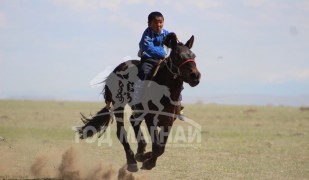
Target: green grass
[[237, 142]]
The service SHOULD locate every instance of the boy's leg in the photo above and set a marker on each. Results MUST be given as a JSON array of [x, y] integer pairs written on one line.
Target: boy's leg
[[143, 74]]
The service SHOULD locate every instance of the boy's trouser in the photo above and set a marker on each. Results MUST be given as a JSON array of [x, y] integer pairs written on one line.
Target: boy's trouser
[[147, 67], [145, 73]]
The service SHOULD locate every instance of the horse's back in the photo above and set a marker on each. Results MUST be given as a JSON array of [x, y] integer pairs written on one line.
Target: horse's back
[[126, 65]]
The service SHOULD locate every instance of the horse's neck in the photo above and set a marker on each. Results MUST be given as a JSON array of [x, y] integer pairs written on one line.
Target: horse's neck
[[164, 77]]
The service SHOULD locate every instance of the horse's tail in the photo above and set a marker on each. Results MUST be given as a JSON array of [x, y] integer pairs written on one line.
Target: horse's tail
[[99, 122], [95, 124]]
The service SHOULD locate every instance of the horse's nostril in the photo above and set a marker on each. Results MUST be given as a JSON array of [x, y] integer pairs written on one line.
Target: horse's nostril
[[194, 75]]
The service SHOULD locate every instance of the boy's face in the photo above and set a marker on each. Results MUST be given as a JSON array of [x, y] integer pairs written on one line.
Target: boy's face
[[157, 24]]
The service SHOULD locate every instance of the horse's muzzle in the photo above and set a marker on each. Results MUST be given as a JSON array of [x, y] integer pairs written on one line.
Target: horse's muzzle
[[194, 78]]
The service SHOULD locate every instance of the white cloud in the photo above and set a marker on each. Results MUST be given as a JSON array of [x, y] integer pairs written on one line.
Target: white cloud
[[132, 24], [205, 4], [133, 1], [89, 5], [184, 5], [291, 75], [78, 5], [255, 3], [108, 4]]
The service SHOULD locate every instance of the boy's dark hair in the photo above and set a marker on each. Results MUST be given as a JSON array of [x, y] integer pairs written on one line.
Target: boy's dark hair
[[153, 15]]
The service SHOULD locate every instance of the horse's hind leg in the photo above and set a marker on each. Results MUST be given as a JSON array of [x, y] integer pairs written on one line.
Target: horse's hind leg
[[140, 154], [122, 136]]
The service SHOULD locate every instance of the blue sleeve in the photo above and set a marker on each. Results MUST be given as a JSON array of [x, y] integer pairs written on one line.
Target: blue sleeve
[[146, 43]]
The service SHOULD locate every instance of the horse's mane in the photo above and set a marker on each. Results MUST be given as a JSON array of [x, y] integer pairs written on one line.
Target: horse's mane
[[169, 38]]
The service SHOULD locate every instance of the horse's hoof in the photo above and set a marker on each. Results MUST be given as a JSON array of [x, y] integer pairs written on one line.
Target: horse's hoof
[[132, 167], [146, 168], [141, 157], [148, 154], [148, 165], [143, 168]]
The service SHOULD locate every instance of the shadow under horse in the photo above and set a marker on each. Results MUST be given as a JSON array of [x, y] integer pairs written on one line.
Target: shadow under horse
[[177, 68]]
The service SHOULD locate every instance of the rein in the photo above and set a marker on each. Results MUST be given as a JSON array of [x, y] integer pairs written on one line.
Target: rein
[[170, 68], [187, 61]]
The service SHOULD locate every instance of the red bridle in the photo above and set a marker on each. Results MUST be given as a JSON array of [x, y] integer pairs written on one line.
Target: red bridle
[[187, 61]]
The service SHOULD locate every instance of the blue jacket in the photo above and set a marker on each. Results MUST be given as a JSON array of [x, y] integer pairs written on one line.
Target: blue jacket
[[151, 44]]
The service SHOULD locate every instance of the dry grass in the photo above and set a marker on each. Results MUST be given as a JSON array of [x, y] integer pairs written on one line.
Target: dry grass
[[238, 142]]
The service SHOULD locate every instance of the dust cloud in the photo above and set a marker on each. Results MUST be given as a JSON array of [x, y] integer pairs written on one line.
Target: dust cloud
[[72, 166]]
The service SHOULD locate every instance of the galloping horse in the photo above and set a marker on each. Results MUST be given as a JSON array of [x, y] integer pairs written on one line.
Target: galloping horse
[[177, 68]]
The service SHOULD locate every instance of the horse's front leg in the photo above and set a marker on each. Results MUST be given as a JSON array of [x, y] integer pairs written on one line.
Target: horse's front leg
[[159, 141], [140, 154], [122, 136]]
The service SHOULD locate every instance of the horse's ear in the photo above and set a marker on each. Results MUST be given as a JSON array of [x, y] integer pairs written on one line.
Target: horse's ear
[[170, 40], [174, 43], [190, 42]]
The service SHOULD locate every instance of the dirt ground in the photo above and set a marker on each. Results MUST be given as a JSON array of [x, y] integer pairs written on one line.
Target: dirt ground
[[37, 140]]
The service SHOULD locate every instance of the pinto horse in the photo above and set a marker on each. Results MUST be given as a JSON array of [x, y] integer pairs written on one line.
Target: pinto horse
[[177, 68]]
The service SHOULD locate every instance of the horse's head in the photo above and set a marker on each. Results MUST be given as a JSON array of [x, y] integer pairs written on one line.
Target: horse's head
[[183, 58]]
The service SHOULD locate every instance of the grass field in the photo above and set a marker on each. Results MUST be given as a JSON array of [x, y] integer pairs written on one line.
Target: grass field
[[237, 142]]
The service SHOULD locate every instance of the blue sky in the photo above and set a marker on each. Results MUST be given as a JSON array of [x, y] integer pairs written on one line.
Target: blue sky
[[52, 49]]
